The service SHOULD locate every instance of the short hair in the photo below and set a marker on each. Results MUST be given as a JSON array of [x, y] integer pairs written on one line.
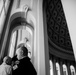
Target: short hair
[[7, 60], [24, 49]]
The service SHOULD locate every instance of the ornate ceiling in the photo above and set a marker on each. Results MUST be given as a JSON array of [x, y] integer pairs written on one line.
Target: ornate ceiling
[[58, 33]]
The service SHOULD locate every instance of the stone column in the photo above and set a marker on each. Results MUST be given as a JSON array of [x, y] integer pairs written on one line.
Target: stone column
[[54, 66], [68, 68], [61, 67]]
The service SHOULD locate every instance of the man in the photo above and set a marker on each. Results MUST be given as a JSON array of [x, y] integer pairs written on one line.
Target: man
[[24, 66]]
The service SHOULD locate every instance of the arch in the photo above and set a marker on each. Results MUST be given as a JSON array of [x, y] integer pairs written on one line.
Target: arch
[[51, 67], [17, 14], [21, 13], [72, 70], [65, 69], [24, 40], [29, 28], [16, 21], [58, 68]]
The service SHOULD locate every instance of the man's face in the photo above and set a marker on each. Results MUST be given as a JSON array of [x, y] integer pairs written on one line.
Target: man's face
[[19, 53]]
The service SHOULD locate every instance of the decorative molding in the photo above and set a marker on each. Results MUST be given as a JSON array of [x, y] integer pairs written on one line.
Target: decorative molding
[[57, 25], [26, 9], [59, 41]]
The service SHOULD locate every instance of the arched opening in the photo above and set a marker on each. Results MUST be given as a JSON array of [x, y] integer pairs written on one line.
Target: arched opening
[[21, 35], [57, 68], [51, 67], [18, 31], [65, 69], [72, 70]]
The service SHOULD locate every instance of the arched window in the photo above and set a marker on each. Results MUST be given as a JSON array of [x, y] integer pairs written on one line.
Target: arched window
[[21, 35], [57, 68], [72, 70], [65, 69], [51, 67]]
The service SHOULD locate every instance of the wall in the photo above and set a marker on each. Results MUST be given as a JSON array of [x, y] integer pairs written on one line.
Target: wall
[[35, 18]]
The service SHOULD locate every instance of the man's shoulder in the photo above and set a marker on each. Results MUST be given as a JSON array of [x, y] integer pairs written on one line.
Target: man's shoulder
[[26, 59]]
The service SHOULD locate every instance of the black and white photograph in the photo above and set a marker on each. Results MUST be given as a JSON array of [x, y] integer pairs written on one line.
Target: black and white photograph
[[37, 37]]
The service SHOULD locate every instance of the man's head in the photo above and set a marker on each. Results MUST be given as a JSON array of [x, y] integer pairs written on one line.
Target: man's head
[[7, 60], [22, 52]]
